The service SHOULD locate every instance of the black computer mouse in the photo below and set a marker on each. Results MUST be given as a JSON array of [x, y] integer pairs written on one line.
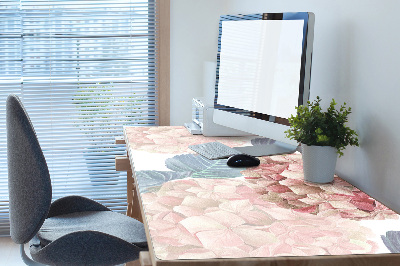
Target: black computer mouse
[[242, 160]]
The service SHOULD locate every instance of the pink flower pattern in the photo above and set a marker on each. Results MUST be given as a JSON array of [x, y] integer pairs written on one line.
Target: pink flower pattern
[[172, 139], [279, 179], [270, 211], [225, 218]]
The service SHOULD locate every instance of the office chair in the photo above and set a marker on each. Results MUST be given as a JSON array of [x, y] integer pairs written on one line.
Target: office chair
[[70, 231]]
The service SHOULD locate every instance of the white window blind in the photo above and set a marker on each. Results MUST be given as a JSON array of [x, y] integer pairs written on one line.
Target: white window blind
[[83, 70]]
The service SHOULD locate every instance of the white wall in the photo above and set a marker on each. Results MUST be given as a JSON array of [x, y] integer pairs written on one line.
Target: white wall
[[356, 60], [194, 41]]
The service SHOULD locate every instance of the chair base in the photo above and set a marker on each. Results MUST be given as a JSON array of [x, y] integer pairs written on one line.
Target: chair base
[[26, 259]]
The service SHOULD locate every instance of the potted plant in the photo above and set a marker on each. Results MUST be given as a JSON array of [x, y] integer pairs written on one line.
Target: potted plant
[[323, 135]]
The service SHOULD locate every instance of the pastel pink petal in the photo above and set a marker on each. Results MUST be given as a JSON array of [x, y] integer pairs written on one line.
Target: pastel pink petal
[[207, 184], [160, 225], [374, 246], [282, 249], [236, 206], [177, 236], [227, 196], [173, 217], [273, 168], [246, 192], [185, 237], [337, 190], [165, 240], [292, 196], [257, 217], [188, 211], [359, 195], [278, 228], [246, 248], [279, 159], [277, 177], [321, 222], [261, 202], [216, 239], [197, 253], [170, 201], [211, 209], [156, 207], [305, 189], [255, 237], [363, 205], [266, 177], [338, 197], [201, 203], [226, 218], [177, 193], [325, 206], [291, 182], [342, 205], [294, 156], [293, 175], [309, 251], [341, 250], [195, 190], [148, 197], [311, 201], [225, 187], [252, 177], [196, 224], [332, 233], [324, 242], [160, 215], [263, 182], [295, 167], [231, 252], [380, 206], [278, 189], [280, 214], [329, 213], [297, 204], [311, 209], [353, 213], [263, 251]]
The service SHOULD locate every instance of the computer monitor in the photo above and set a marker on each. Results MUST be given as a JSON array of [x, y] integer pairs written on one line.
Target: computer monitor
[[263, 73]]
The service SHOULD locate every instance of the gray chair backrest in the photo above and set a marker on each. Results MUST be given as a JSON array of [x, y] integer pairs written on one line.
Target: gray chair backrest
[[29, 183]]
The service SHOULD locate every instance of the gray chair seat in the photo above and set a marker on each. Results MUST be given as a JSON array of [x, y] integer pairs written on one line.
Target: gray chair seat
[[107, 222]]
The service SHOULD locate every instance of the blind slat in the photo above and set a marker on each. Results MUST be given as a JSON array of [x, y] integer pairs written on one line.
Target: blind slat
[[83, 69]]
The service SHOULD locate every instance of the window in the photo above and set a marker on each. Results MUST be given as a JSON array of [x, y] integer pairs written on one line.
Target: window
[[83, 70]]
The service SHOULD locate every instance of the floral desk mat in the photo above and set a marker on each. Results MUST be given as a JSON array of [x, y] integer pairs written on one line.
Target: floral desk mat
[[197, 208]]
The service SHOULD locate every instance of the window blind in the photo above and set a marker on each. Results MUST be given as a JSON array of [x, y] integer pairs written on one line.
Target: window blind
[[83, 70]]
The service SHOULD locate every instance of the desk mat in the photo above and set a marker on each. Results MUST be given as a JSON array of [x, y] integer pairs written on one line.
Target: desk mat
[[197, 209]]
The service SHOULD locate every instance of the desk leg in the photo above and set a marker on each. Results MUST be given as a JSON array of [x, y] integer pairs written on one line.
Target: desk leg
[[144, 260], [133, 199], [129, 193], [122, 164]]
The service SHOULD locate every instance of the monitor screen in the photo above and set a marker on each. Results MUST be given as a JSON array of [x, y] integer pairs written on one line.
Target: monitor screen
[[263, 71], [255, 65]]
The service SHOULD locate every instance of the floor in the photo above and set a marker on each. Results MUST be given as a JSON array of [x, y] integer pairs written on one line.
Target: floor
[[9, 253]]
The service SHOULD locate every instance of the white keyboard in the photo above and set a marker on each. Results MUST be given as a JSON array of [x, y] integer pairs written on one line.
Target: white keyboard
[[214, 150]]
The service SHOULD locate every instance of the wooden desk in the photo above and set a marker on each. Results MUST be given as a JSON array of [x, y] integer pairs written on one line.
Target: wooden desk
[[202, 212]]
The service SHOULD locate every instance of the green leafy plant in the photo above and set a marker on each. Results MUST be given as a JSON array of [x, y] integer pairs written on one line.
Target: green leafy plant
[[312, 126]]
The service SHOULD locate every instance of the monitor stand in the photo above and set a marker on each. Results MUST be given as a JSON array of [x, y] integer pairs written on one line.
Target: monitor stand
[[275, 148]]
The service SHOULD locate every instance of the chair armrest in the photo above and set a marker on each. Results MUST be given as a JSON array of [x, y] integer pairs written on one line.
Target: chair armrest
[[72, 204]]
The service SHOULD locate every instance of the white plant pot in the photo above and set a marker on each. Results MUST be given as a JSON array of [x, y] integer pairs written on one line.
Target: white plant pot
[[319, 163]]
